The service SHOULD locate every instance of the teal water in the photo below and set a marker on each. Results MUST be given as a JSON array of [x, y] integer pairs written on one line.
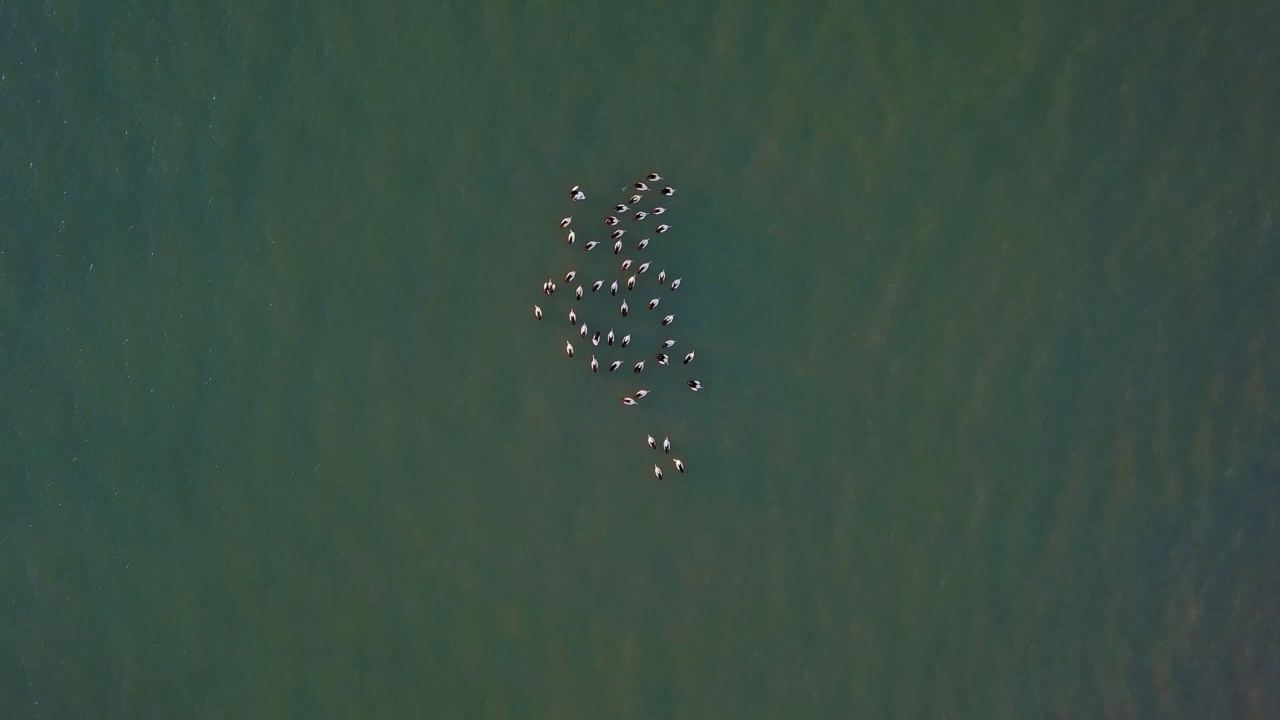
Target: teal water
[[986, 300]]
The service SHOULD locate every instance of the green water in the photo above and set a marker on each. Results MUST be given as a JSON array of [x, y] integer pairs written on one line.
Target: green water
[[986, 300]]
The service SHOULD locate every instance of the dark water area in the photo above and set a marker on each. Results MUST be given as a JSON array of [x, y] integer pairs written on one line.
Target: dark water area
[[986, 301]]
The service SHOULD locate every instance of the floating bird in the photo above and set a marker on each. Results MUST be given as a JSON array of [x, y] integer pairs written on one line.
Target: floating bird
[[667, 343], [537, 312], [617, 247], [668, 191], [620, 208], [590, 246], [635, 199], [653, 444], [569, 276], [654, 177], [688, 358], [676, 283], [610, 220], [661, 358], [572, 236], [642, 244], [595, 339], [595, 366], [658, 210], [641, 393], [625, 266], [568, 349], [662, 275], [694, 385], [549, 288], [638, 367], [626, 340], [668, 319], [613, 289], [596, 285], [631, 282], [573, 318], [679, 464], [653, 303], [657, 472], [565, 222], [577, 194], [609, 337], [640, 215], [642, 187], [663, 228], [666, 445], [624, 308], [615, 365], [582, 331], [618, 233], [644, 266], [628, 401], [578, 293]]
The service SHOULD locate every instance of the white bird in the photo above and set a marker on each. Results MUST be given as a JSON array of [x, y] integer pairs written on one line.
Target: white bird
[[568, 348], [662, 275], [640, 215], [653, 444], [572, 236], [615, 365], [694, 385], [610, 220], [577, 194], [668, 319], [625, 266], [638, 367], [631, 282], [654, 177], [688, 358], [642, 244], [582, 331], [676, 283], [644, 266], [668, 191], [642, 187], [626, 340], [617, 247], [663, 228], [549, 288], [653, 303], [679, 464], [667, 343], [657, 472], [613, 289], [624, 308], [573, 318], [666, 445], [565, 222], [618, 233], [609, 337], [628, 401], [658, 210], [661, 358], [537, 312], [595, 366], [641, 393], [569, 276], [595, 339], [635, 199], [596, 285], [590, 246], [578, 293], [620, 208]]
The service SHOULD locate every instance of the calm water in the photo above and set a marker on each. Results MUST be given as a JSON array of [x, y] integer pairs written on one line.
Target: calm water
[[987, 303]]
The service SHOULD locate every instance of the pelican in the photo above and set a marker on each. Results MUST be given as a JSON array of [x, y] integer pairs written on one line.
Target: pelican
[[668, 319], [654, 177], [615, 365], [688, 358], [662, 275], [625, 266], [595, 366], [661, 358], [694, 385], [628, 401], [609, 337], [549, 287], [679, 465], [613, 289], [578, 293], [640, 215], [668, 191], [666, 445], [642, 187], [596, 285], [537, 312], [595, 339], [642, 244], [568, 349], [657, 472], [631, 282], [638, 367], [577, 194], [618, 233], [663, 228], [653, 303], [620, 208], [569, 276], [641, 393], [590, 246], [624, 308], [565, 222], [635, 199], [573, 318], [610, 220], [617, 247], [658, 210], [582, 331], [626, 340], [676, 283], [644, 266], [572, 236], [667, 343], [653, 444]]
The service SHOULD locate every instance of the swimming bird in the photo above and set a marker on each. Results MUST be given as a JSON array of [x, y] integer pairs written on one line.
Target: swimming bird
[[582, 331], [666, 445], [573, 318], [628, 401], [658, 210], [631, 282], [595, 339], [620, 208], [644, 266], [565, 222], [595, 366], [657, 472], [662, 275], [549, 288], [663, 228], [609, 337], [642, 187], [626, 340], [661, 358], [638, 367], [569, 276], [668, 319], [679, 464], [642, 244], [668, 191], [653, 444], [577, 194], [618, 233], [688, 358], [617, 247], [694, 385], [615, 365], [676, 283], [596, 285], [590, 246], [653, 303], [610, 220], [572, 236], [578, 293], [624, 308], [613, 288], [635, 199], [626, 265], [640, 215], [568, 349], [641, 393], [667, 343], [537, 312], [654, 177]]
